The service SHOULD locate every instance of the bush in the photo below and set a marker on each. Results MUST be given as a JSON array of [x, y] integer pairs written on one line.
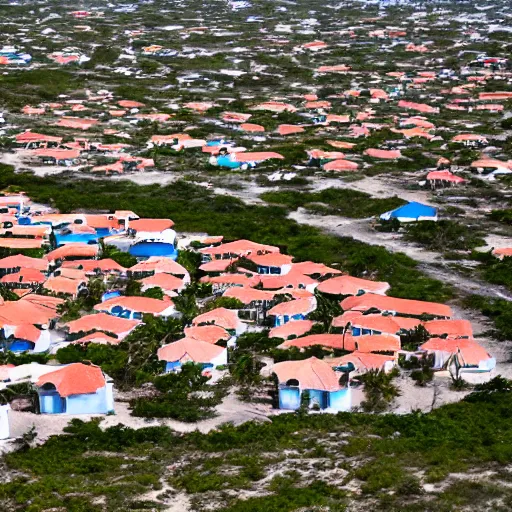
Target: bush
[[442, 235]]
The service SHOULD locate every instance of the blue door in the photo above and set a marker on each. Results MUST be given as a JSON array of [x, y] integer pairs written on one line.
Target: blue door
[[51, 402]]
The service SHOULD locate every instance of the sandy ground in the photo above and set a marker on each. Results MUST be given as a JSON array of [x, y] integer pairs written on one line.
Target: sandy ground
[[231, 410]]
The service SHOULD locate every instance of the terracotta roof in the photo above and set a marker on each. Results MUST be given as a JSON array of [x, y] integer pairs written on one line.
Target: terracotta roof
[[99, 338], [226, 318], [63, 285], [348, 285], [295, 328], [30, 136], [451, 328], [250, 127], [273, 259], [73, 250], [289, 129], [159, 264], [402, 306], [130, 104], [18, 312], [504, 252], [21, 243], [384, 324], [490, 162], [444, 176], [189, 349], [310, 268], [383, 153], [311, 373], [27, 332], [377, 343], [293, 307], [341, 165], [247, 295], [294, 293], [420, 107], [103, 265], [470, 352], [47, 303], [207, 333], [152, 225], [240, 248], [140, 304], [246, 156], [219, 265], [362, 360], [74, 379], [163, 281], [293, 279], [25, 275], [334, 341], [233, 279], [102, 322]]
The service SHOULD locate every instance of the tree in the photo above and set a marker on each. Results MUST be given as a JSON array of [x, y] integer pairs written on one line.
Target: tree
[[154, 293], [379, 390]]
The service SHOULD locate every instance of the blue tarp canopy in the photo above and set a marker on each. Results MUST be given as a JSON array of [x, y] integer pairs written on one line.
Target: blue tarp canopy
[[411, 212]]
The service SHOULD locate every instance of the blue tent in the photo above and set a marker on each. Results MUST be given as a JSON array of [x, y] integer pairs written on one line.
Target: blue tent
[[411, 212]]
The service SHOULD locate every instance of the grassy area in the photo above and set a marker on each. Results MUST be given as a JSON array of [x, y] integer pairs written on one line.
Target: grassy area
[[194, 208], [388, 457], [335, 201]]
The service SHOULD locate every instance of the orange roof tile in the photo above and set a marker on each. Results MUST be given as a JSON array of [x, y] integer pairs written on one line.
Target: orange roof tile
[[469, 351], [272, 259], [164, 281], [189, 349], [295, 328], [293, 307], [362, 360], [383, 153], [246, 156], [289, 129], [152, 225], [240, 248], [103, 265], [74, 379], [250, 127], [159, 264], [219, 265], [377, 343], [311, 373], [451, 328], [208, 333], [248, 295], [21, 243], [293, 279], [63, 285], [401, 306], [348, 285], [226, 318], [25, 275], [102, 322], [73, 250], [341, 165], [333, 341], [98, 338], [139, 304], [310, 268]]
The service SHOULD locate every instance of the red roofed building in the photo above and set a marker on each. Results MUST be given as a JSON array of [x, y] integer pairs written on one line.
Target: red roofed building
[[223, 317], [406, 307], [120, 327], [135, 307], [465, 355], [348, 285], [190, 350], [75, 389], [317, 378]]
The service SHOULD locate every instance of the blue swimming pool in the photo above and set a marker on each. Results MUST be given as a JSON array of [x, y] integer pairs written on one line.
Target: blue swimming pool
[[147, 249]]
